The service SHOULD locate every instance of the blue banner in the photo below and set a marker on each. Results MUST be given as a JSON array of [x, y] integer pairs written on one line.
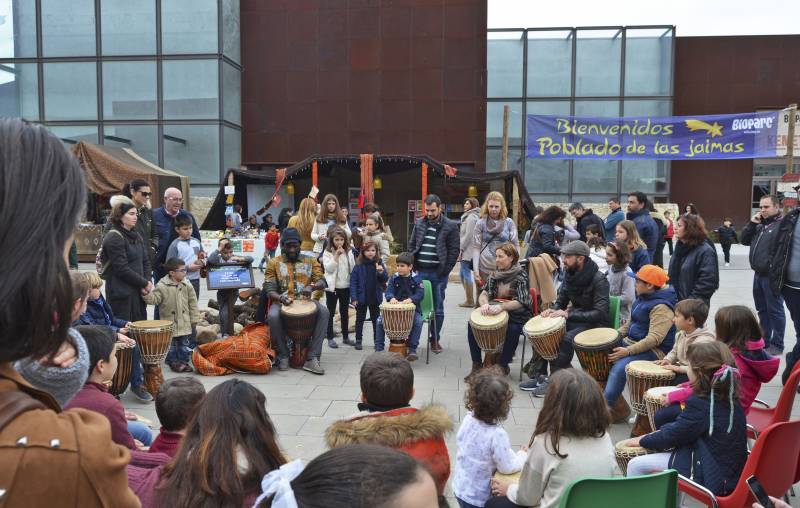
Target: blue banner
[[737, 136]]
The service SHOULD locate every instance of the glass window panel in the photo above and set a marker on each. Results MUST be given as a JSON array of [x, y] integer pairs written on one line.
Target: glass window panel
[[550, 63], [191, 89], [494, 123], [547, 175], [598, 62], [68, 28], [231, 30], [129, 28], [648, 108], [70, 91], [594, 176], [544, 200], [189, 26], [129, 90], [232, 90], [493, 156], [19, 91], [142, 139], [597, 108], [504, 64], [232, 148], [17, 29], [71, 134], [647, 176], [548, 108], [648, 61], [193, 150]]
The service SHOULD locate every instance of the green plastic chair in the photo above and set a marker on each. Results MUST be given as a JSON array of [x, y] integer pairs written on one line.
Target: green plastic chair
[[613, 311], [428, 313], [659, 490]]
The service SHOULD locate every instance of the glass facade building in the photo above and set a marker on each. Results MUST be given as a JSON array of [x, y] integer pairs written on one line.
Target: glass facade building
[[619, 71], [162, 77]]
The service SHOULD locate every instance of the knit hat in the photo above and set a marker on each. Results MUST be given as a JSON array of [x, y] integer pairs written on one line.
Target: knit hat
[[60, 382], [290, 235], [576, 248], [651, 274]]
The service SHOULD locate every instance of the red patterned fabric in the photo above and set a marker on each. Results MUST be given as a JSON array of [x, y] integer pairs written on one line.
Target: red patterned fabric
[[247, 352]]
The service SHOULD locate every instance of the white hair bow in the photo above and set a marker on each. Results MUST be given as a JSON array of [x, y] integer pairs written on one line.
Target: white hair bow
[[278, 482]]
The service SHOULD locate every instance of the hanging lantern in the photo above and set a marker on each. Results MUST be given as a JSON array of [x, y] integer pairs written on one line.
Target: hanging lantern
[[377, 183], [290, 188], [472, 191]]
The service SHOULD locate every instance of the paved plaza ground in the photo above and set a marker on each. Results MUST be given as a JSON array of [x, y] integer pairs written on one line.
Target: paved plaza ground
[[302, 405]]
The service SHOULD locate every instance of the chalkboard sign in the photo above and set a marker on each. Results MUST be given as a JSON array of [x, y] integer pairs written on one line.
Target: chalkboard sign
[[230, 276]]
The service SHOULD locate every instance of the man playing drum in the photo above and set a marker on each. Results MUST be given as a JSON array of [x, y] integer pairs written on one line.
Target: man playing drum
[[506, 289], [288, 276], [582, 300]]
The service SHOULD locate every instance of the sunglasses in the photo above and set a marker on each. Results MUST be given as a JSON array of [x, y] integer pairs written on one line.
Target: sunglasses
[[146, 194]]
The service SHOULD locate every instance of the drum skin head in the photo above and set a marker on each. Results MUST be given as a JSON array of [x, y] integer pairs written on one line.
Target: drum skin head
[[540, 325], [299, 308], [399, 306], [476, 318], [150, 323], [648, 368], [597, 337], [657, 391]]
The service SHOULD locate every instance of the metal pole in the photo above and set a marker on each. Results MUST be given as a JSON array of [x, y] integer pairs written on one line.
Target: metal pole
[[504, 155], [790, 139]]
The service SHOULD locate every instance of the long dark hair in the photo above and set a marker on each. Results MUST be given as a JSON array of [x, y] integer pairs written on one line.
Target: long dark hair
[[322, 217], [695, 232], [551, 215], [705, 358], [36, 291], [231, 424]]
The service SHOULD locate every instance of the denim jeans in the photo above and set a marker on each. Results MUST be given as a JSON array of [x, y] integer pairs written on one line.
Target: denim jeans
[[438, 286], [509, 347], [137, 372], [413, 337], [617, 379], [466, 272], [140, 432], [179, 350], [770, 311]]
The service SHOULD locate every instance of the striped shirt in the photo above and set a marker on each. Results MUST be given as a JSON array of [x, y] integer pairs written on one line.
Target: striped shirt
[[427, 257]]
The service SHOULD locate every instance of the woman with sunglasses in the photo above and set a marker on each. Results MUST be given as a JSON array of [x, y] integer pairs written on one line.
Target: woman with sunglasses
[[139, 192]]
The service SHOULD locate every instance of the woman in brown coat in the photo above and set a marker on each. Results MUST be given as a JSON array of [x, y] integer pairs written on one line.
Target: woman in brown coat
[[47, 456]]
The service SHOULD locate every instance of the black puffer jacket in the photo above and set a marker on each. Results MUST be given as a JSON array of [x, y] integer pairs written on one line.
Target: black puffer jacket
[[695, 272], [448, 242], [726, 235], [589, 303], [589, 218], [779, 258], [543, 239], [761, 238]]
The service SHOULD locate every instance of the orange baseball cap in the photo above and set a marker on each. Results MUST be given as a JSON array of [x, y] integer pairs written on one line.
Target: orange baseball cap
[[651, 274]]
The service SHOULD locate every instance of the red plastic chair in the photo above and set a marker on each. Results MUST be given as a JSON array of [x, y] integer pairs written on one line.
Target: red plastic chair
[[535, 310], [759, 418], [774, 461]]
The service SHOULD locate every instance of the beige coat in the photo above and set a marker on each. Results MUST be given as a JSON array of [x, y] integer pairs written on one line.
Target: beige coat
[[176, 302], [682, 341]]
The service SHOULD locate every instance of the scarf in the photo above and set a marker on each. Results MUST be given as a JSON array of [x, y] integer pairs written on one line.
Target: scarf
[[131, 235], [494, 227], [576, 281], [507, 276]]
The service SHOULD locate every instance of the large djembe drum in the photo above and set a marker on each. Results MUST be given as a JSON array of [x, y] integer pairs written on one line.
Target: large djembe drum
[[154, 338], [592, 348], [643, 375], [122, 375], [545, 334], [398, 320], [299, 319], [490, 333]]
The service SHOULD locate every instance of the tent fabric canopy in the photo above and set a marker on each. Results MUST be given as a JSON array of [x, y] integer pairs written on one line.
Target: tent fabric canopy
[[109, 168], [382, 164]]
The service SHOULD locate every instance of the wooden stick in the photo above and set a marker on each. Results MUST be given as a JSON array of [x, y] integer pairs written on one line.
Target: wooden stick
[[790, 139]]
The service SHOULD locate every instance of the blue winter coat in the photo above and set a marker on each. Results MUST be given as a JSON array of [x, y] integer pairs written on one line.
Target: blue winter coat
[[714, 461], [647, 228], [639, 258], [640, 316], [610, 224], [406, 287], [98, 312], [358, 282]]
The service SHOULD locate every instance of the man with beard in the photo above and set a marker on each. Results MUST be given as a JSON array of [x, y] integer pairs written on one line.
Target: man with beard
[[289, 276], [585, 288]]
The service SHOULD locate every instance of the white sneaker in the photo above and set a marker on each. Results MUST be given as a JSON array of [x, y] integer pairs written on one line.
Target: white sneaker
[[727, 264]]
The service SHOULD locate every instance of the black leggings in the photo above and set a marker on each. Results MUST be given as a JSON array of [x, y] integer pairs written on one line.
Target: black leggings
[[361, 316], [342, 296]]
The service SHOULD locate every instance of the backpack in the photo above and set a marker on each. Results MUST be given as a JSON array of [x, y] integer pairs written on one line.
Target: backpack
[[101, 262]]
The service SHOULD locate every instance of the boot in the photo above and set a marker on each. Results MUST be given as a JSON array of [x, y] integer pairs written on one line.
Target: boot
[[641, 426], [469, 303], [620, 411], [476, 367], [477, 294]]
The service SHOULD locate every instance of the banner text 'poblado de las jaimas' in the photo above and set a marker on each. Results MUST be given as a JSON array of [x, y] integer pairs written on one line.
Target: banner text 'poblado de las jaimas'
[[737, 136]]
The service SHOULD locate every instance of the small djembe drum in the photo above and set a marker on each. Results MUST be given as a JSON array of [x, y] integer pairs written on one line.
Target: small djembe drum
[[545, 334], [643, 375], [299, 319], [652, 402], [154, 338], [592, 348], [490, 333], [624, 454], [398, 320], [122, 375]]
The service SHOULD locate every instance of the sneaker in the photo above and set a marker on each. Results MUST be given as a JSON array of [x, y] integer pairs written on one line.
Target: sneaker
[[436, 347], [313, 366], [540, 390], [187, 368], [332, 344], [283, 364], [412, 356], [140, 393], [530, 384], [348, 342], [357, 345], [774, 350], [727, 264], [176, 367]]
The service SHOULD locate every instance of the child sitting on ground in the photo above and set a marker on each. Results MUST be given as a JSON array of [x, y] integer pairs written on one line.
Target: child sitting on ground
[[187, 248], [571, 440], [176, 299], [177, 401], [597, 246], [386, 418], [100, 341], [483, 444], [226, 298], [404, 287], [709, 438]]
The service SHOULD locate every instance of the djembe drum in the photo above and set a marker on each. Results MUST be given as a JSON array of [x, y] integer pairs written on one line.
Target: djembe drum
[[398, 320], [122, 375], [652, 402], [624, 454], [643, 375], [545, 334], [299, 319], [490, 333], [154, 338], [592, 348]]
